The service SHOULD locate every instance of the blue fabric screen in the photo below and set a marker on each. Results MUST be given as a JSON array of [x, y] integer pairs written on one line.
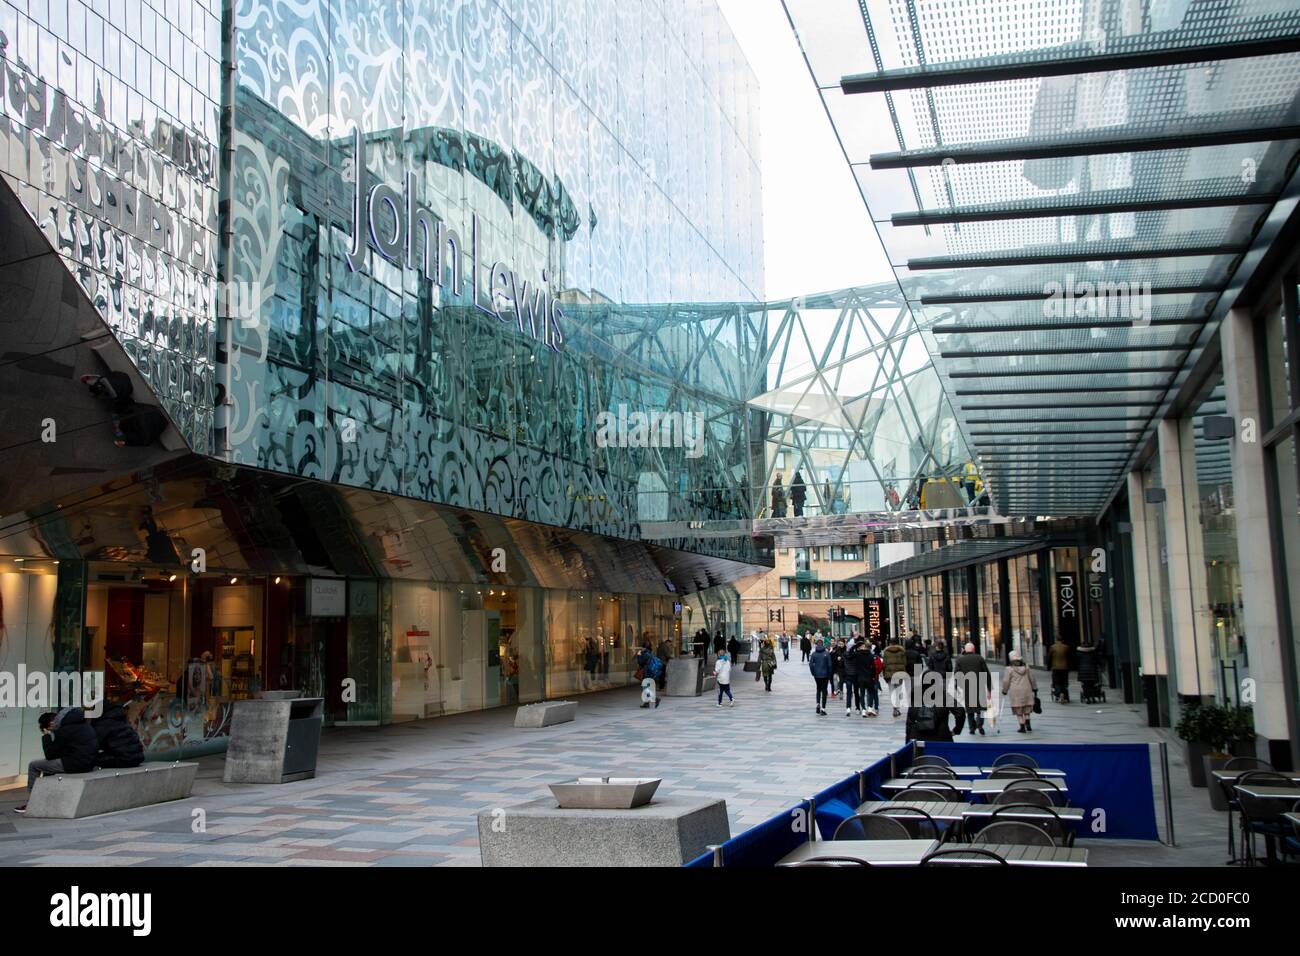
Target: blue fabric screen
[[1114, 778]]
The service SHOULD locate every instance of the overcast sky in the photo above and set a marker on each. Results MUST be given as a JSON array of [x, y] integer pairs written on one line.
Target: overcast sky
[[818, 236]]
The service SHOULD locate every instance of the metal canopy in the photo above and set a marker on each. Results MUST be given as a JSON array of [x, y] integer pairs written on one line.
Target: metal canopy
[[957, 555], [1065, 193]]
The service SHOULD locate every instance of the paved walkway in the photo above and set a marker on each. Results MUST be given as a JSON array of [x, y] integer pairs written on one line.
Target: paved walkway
[[410, 794]]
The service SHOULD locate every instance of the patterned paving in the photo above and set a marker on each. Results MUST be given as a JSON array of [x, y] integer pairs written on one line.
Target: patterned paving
[[409, 795]]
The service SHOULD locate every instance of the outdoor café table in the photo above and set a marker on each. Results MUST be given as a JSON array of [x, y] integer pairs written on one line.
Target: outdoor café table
[[942, 812], [989, 787], [874, 852], [967, 772], [1036, 855], [1222, 775], [1041, 771], [983, 811], [1261, 792], [902, 783]]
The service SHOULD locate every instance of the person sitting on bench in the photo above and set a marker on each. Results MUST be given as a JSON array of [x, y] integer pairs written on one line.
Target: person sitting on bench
[[69, 743], [119, 744]]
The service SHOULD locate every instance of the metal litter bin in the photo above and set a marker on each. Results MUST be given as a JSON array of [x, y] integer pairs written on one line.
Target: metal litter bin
[[274, 741]]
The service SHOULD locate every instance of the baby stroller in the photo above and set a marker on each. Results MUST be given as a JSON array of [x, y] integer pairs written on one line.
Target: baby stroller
[[1090, 689], [1091, 692]]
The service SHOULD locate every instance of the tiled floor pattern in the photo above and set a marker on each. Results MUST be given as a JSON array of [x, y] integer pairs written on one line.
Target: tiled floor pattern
[[410, 794]]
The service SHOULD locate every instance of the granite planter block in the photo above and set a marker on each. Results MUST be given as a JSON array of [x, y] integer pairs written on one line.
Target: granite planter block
[[546, 713], [685, 677], [670, 831], [69, 796], [274, 741]]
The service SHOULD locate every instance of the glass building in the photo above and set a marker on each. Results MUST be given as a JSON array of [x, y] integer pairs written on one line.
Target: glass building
[[417, 336]]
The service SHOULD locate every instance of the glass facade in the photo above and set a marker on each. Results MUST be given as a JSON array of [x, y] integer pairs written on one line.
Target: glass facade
[[436, 260], [528, 212]]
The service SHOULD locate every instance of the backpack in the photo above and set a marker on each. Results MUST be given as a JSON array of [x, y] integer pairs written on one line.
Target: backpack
[[923, 720], [654, 667]]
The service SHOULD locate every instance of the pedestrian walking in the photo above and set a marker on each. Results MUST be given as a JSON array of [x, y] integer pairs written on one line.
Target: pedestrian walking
[[649, 667], [1058, 659], [895, 663], [664, 652], [767, 663], [857, 665], [805, 646], [785, 646], [722, 671], [972, 687], [837, 668], [1021, 690], [872, 678], [821, 668]]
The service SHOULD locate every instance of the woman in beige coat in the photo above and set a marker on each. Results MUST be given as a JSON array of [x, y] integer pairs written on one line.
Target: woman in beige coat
[[1018, 686]]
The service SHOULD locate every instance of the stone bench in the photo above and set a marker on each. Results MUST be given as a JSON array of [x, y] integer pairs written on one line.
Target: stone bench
[[546, 713], [69, 796]]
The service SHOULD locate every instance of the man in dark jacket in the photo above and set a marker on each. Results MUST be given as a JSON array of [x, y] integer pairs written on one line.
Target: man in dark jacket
[[915, 651], [974, 687], [119, 744], [719, 642], [733, 648], [69, 743], [859, 667], [819, 665], [805, 646]]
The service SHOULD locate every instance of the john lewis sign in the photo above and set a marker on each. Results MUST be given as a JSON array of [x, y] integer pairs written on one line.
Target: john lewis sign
[[410, 236]]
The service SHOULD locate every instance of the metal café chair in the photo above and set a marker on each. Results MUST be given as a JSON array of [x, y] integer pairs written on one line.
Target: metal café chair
[[1016, 760], [1013, 770], [1237, 763], [831, 861], [914, 819], [1023, 796], [1015, 832], [1053, 825], [930, 761], [1049, 787], [938, 786], [1260, 815], [933, 773], [964, 856], [870, 826]]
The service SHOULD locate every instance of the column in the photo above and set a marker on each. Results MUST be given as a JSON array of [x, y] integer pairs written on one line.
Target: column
[[1188, 593], [1256, 545], [1146, 586]]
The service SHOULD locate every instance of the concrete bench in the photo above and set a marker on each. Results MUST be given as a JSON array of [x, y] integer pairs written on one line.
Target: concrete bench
[[546, 713], [69, 796]]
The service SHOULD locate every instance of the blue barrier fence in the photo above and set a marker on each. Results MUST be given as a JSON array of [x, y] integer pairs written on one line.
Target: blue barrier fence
[[1112, 778], [772, 839]]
